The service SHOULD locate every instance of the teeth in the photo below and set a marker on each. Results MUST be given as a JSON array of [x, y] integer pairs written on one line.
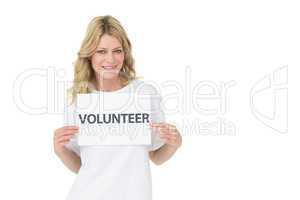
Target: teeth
[[108, 67]]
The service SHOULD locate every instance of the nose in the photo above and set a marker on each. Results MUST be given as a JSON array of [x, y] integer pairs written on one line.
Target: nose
[[110, 58]]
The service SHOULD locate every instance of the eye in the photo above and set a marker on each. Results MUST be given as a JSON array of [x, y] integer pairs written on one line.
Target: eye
[[118, 51], [101, 51]]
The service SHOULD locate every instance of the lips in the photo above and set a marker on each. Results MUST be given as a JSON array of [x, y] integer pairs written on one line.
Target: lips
[[109, 67]]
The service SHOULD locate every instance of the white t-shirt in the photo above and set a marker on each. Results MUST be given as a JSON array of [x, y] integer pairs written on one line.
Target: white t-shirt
[[120, 172]]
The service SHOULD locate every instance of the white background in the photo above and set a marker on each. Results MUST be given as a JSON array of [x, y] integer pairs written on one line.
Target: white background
[[220, 41]]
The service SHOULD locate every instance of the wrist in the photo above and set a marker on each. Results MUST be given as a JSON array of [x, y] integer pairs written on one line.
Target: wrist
[[60, 151], [172, 147]]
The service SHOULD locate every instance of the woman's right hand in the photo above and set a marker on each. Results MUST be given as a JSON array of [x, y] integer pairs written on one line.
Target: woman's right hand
[[62, 136]]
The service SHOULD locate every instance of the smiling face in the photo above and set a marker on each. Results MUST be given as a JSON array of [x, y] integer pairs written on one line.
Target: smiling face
[[108, 59]]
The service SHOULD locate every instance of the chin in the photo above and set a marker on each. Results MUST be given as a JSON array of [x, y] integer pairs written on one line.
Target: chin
[[109, 75]]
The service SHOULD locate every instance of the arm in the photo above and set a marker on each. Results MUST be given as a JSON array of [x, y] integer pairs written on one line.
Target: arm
[[173, 141], [70, 160], [162, 154]]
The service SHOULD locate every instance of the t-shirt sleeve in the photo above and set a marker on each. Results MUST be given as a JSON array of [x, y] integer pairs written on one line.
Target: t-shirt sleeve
[[157, 116], [69, 120]]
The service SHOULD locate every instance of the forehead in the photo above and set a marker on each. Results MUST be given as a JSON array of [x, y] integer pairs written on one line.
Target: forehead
[[108, 41]]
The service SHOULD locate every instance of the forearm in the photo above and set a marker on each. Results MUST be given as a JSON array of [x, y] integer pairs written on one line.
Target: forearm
[[163, 154], [70, 159]]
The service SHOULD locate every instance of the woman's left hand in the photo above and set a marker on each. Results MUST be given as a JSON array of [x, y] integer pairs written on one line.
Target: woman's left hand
[[168, 133]]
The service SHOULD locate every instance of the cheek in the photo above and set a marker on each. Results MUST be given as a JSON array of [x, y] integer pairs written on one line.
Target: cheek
[[96, 60], [120, 58]]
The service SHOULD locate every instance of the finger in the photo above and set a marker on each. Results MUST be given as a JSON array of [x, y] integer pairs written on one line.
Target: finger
[[168, 140], [71, 127], [155, 128], [65, 133], [69, 131], [171, 126], [168, 136], [161, 124], [64, 138], [66, 128], [161, 127], [62, 144], [167, 130]]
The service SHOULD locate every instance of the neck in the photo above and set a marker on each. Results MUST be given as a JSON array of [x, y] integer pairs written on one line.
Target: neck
[[108, 84]]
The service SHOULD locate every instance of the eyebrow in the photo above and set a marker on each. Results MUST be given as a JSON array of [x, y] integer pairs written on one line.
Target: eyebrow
[[113, 48]]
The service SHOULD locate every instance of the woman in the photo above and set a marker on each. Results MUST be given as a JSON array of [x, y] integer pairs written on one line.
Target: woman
[[105, 65]]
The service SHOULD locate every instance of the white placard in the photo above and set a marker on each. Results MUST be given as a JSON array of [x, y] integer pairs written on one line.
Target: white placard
[[113, 119]]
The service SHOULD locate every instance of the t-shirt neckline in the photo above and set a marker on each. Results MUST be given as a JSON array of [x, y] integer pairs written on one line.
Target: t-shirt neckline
[[126, 87]]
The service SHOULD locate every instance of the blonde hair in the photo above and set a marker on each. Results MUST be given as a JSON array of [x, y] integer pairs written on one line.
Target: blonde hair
[[84, 75]]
